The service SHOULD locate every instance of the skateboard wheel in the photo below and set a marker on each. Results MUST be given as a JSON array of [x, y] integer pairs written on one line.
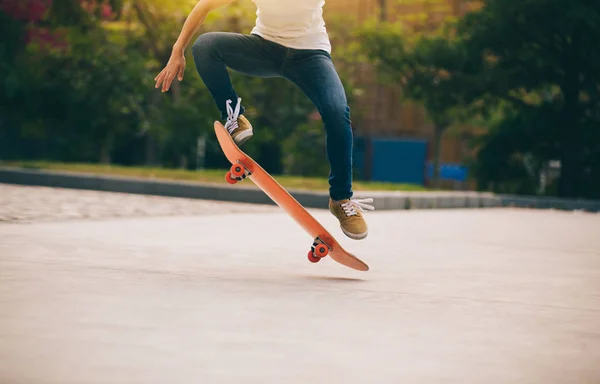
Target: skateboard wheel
[[237, 170], [229, 179], [312, 258], [321, 250]]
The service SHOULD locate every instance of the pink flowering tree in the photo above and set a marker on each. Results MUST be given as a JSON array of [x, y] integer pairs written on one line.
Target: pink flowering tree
[[44, 23], [71, 91]]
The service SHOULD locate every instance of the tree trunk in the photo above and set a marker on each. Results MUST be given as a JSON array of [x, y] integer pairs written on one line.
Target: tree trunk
[[382, 10], [105, 150], [183, 161], [437, 149], [572, 181], [572, 142], [150, 153]]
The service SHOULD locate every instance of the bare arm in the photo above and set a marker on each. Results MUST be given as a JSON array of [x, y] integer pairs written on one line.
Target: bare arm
[[176, 64], [195, 20]]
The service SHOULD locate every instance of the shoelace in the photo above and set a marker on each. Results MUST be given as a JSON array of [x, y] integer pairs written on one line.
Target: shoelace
[[232, 116], [352, 207]]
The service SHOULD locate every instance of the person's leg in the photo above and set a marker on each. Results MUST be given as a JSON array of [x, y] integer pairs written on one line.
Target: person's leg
[[313, 71], [315, 74], [214, 52]]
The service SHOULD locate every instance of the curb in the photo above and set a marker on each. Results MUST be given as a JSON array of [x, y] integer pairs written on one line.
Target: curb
[[383, 200], [550, 203], [158, 187]]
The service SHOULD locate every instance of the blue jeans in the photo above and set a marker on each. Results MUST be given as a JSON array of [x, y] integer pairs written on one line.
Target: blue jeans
[[311, 70]]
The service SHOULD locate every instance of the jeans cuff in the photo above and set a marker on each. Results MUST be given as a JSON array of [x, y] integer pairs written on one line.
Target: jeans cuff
[[338, 195]]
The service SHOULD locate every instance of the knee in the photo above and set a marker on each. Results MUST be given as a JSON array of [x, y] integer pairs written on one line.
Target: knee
[[204, 45], [336, 113]]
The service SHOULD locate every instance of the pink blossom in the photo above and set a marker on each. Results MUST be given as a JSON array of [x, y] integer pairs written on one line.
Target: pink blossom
[[38, 9], [45, 38], [107, 12], [26, 10]]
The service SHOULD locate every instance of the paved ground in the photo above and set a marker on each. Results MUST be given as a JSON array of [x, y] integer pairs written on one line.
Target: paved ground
[[182, 291], [23, 204]]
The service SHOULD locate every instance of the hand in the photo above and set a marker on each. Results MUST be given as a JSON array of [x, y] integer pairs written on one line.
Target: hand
[[175, 67]]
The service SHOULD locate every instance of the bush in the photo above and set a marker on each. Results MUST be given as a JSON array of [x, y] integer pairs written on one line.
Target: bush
[[305, 152]]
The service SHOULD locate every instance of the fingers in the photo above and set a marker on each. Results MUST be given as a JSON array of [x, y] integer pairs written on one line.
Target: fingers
[[159, 79], [168, 80], [159, 74], [166, 77], [180, 73]]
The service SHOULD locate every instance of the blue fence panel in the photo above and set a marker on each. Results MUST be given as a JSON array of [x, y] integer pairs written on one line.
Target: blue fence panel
[[400, 161], [359, 158], [453, 172]]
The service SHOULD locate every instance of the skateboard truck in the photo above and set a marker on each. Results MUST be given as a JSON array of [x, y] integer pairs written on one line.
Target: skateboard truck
[[236, 173], [318, 250]]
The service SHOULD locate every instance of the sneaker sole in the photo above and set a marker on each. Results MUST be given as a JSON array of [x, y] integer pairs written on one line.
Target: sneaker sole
[[355, 236], [242, 137]]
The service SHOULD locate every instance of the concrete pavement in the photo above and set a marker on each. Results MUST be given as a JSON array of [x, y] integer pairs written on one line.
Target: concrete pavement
[[222, 293], [25, 204]]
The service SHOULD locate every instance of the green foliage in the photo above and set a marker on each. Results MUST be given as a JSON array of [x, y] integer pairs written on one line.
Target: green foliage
[[70, 13], [420, 57], [508, 149], [63, 103], [305, 152], [535, 63], [94, 99], [545, 64]]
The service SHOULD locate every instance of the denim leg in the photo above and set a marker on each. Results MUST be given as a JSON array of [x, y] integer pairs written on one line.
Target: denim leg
[[214, 52], [313, 71]]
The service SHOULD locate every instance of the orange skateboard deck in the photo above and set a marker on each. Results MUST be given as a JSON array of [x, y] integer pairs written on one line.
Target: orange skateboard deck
[[243, 166]]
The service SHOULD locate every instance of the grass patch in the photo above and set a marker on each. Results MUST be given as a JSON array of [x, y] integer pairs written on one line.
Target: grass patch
[[206, 176]]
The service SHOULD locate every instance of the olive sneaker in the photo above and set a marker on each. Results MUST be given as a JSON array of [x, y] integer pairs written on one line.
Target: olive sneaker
[[350, 214], [237, 125]]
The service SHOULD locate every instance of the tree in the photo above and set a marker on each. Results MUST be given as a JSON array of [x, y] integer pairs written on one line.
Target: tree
[[78, 87], [536, 63], [542, 56], [71, 90], [418, 53]]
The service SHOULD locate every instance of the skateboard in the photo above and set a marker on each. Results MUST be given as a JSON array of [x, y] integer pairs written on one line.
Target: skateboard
[[243, 166]]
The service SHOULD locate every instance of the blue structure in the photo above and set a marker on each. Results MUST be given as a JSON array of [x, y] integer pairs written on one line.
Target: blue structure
[[451, 172], [399, 161], [391, 160]]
